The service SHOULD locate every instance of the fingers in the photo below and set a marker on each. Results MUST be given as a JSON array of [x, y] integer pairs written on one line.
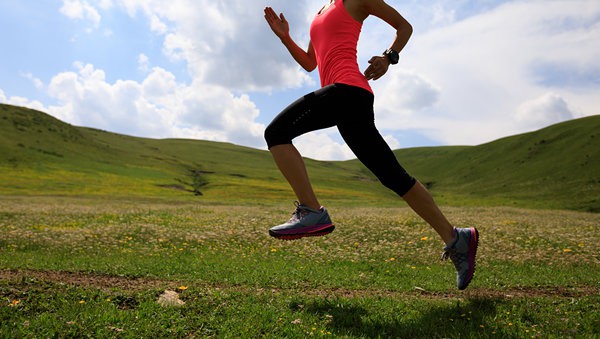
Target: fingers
[[278, 23], [269, 11], [377, 68], [373, 73], [270, 15], [274, 20]]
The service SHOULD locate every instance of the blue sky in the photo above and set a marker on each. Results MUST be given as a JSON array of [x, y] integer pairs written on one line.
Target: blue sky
[[474, 71]]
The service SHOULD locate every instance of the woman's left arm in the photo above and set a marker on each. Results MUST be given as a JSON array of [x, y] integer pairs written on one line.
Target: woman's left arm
[[379, 64]]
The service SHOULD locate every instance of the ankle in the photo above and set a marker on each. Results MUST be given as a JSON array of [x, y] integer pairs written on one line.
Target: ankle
[[314, 206], [451, 237]]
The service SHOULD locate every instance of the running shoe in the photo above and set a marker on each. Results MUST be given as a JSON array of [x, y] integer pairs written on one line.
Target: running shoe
[[305, 222], [462, 252]]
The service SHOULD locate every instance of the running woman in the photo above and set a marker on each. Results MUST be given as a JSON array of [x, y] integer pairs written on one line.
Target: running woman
[[345, 100]]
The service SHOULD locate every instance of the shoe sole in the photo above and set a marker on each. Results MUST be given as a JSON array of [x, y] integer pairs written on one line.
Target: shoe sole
[[473, 243], [318, 233]]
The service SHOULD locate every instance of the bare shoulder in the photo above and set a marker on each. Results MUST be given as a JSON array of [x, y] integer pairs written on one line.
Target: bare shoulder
[[358, 9], [361, 9], [382, 10], [375, 6]]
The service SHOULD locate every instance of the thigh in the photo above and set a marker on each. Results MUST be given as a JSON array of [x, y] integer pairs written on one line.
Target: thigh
[[365, 141], [314, 111], [368, 145]]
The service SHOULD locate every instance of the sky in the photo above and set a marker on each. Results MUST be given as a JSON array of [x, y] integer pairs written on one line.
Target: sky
[[473, 71]]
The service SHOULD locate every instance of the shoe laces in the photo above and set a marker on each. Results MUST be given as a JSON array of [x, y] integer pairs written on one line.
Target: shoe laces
[[299, 213], [456, 258]]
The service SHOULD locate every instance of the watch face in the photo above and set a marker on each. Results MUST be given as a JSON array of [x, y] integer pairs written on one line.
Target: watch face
[[392, 55]]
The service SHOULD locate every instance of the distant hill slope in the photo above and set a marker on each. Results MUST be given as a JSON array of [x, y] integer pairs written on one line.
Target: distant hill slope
[[556, 167], [43, 155]]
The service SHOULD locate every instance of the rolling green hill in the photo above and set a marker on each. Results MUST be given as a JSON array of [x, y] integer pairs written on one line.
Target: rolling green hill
[[42, 155], [556, 167]]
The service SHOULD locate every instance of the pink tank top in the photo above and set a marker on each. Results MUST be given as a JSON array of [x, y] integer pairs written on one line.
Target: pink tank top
[[334, 35]]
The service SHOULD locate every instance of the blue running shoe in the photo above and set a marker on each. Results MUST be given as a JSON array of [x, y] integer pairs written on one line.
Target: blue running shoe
[[305, 222], [462, 252]]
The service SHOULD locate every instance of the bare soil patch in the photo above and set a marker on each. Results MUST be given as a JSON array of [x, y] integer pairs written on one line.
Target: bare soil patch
[[83, 279], [136, 284]]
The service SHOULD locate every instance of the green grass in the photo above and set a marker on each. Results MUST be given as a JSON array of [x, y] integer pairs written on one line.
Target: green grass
[[40, 155], [96, 267], [50, 309], [95, 226], [553, 168]]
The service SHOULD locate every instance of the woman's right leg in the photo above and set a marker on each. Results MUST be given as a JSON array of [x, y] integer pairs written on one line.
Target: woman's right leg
[[308, 113], [290, 163]]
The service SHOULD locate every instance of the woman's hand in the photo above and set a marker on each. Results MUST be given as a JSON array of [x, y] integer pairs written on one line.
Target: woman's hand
[[378, 66], [278, 24], [281, 28]]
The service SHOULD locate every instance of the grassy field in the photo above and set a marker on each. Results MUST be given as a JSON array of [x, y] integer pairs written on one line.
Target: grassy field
[[95, 227], [553, 168], [96, 267]]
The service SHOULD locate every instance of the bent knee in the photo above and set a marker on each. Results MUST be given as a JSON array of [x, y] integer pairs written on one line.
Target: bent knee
[[400, 185], [274, 136]]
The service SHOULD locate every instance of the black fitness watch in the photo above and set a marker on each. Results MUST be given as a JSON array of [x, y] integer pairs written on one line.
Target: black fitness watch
[[392, 56]]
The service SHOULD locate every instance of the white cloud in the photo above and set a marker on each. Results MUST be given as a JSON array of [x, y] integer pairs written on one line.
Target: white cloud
[[159, 106], [442, 16], [545, 110], [81, 10], [21, 101], [327, 144], [403, 95], [143, 62], [37, 83], [322, 145], [392, 141], [225, 42], [158, 25], [486, 66], [473, 72]]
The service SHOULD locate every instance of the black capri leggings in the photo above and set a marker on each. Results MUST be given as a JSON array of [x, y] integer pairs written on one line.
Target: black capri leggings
[[350, 108]]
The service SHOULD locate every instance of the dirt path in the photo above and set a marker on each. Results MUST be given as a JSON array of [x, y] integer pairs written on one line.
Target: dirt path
[[133, 284]]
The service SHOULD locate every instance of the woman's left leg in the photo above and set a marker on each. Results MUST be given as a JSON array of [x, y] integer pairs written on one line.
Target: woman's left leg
[[370, 148]]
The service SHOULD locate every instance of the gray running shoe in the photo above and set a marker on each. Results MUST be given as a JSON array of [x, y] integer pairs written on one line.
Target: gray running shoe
[[305, 222], [462, 252]]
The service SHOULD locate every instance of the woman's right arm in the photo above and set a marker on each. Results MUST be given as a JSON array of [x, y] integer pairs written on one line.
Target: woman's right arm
[[281, 28]]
